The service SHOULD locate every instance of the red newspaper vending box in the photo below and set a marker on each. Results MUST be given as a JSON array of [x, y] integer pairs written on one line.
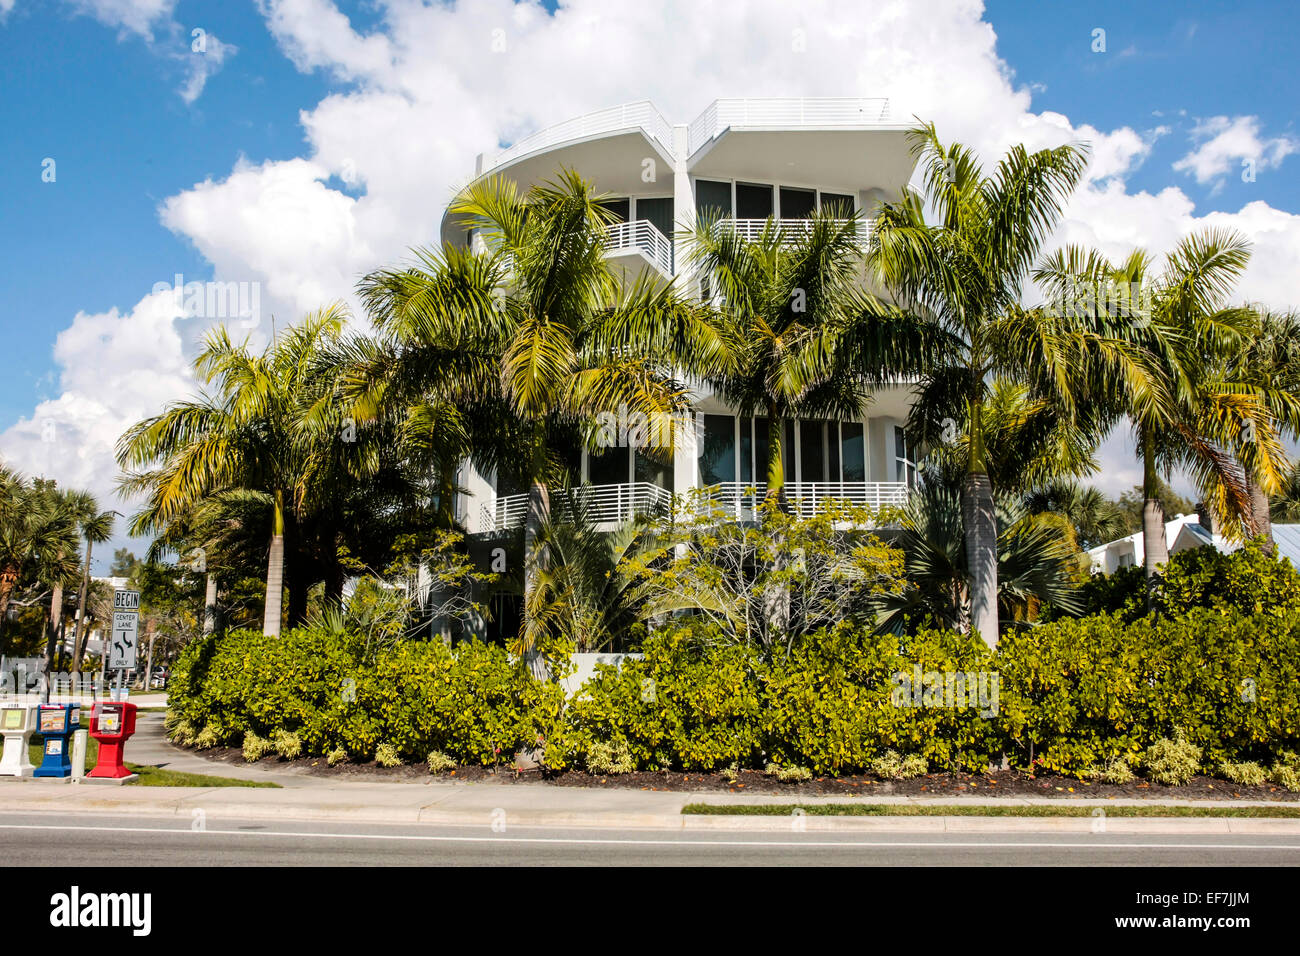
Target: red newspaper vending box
[[111, 723]]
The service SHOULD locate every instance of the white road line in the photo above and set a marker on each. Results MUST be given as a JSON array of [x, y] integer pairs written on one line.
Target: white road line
[[874, 844]]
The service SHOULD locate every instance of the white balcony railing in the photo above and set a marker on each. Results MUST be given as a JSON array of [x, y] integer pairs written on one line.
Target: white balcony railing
[[751, 229], [741, 499], [616, 504], [641, 115], [640, 235], [811, 112], [603, 504]]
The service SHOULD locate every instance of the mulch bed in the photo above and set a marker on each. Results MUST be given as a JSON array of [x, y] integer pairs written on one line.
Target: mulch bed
[[1002, 783]]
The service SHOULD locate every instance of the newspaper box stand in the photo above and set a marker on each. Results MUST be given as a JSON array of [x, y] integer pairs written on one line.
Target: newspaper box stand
[[57, 723], [17, 723], [111, 723]]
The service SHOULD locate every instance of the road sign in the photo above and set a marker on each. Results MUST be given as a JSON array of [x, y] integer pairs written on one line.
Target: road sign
[[126, 623], [126, 600]]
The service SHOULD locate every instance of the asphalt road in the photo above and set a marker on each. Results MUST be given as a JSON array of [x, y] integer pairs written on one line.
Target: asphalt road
[[61, 840]]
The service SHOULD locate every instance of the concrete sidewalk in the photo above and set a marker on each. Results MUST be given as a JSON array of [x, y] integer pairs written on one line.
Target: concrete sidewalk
[[438, 800]]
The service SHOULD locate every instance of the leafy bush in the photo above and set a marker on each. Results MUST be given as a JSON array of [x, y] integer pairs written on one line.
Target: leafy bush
[[1172, 762], [610, 757], [255, 747], [472, 702], [206, 738], [1286, 777], [386, 755], [1116, 771], [287, 745], [336, 756], [439, 762], [788, 773], [1247, 773], [891, 765]]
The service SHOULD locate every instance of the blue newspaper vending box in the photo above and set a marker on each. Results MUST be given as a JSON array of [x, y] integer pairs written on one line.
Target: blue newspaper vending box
[[56, 723]]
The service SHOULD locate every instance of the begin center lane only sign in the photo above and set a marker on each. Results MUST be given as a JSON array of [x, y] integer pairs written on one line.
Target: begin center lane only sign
[[126, 623]]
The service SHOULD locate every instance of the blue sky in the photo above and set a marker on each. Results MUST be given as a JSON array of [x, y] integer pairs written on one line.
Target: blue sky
[[99, 91]]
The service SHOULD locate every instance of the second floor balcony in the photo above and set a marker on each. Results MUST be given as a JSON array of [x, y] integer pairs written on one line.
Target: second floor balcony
[[612, 505]]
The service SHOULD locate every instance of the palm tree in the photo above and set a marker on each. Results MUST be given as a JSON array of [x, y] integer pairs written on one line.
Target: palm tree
[[1034, 567], [248, 436], [1284, 506], [965, 274], [95, 527], [535, 337], [1188, 407], [38, 535], [1094, 518], [1269, 359]]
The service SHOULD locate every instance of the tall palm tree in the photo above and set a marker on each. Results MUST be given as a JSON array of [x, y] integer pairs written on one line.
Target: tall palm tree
[[966, 273], [95, 527], [38, 535], [536, 335], [249, 435], [1192, 409], [1094, 518]]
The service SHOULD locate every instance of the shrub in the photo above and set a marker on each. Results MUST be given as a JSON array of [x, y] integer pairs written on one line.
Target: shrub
[[1116, 771], [206, 738], [788, 774], [1172, 762], [891, 765], [1247, 773], [1285, 776], [255, 747], [336, 756], [610, 757], [439, 762], [386, 755], [287, 745]]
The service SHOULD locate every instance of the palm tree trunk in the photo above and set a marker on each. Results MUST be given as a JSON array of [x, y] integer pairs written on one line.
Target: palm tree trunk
[[78, 630], [8, 581], [275, 571], [979, 522], [210, 604], [776, 602], [1261, 522], [1155, 550], [539, 509], [52, 625]]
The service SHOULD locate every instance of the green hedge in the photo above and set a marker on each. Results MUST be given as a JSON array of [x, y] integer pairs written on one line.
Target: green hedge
[[472, 703], [1072, 694]]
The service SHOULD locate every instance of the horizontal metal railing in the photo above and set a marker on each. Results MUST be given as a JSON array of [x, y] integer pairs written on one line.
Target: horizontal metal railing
[[741, 499], [642, 236], [811, 112], [617, 504], [751, 229], [603, 504]]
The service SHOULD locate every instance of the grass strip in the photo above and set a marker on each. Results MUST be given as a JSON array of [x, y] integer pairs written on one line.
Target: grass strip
[[968, 810], [162, 777]]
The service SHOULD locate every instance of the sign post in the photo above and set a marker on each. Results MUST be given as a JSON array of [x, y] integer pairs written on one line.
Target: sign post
[[124, 638]]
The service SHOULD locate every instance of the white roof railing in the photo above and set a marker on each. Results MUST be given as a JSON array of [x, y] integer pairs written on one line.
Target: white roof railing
[[628, 116], [813, 112]]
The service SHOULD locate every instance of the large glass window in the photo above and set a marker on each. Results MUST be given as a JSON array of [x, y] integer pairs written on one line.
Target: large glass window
[[812, 451], [621, 208], [747, 450], [609, 467], [713, 199], [797, 203], [718, 453], [658, 212], [853, 451], [841, 205], [753, 201], [654, 467], [904, 465]]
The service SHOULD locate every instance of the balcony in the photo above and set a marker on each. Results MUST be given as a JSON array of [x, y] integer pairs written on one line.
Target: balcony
[[617, 504], [751, 229], [604, 504], [640, 238], [740, 500]]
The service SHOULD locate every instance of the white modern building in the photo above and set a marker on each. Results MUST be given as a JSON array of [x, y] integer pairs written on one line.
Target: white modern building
[[745, 160]]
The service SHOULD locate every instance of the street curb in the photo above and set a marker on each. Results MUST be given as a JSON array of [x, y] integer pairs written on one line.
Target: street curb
[[216, 804]]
